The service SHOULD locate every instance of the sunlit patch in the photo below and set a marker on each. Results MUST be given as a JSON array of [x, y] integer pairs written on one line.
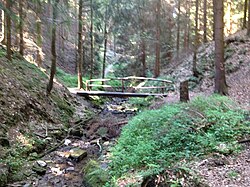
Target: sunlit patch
[[24, 140], [57, 171], [64, 154]]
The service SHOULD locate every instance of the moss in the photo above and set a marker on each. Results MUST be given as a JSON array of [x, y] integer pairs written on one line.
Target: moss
[[66, 110]]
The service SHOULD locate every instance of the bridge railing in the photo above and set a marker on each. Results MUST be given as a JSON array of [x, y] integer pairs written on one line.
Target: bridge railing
[[129, 84]]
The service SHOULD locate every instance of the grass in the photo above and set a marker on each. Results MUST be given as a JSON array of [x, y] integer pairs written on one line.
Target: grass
[[66, 78], [159, 139]]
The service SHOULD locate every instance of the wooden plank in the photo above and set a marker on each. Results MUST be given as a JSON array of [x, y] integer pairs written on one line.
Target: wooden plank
[[115, 94], [130, 78]]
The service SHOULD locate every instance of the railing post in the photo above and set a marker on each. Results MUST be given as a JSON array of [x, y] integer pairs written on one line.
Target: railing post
[[122, 85], [87, 85]]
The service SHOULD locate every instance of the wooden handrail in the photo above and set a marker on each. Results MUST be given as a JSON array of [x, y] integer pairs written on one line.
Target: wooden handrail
[[125, 88]]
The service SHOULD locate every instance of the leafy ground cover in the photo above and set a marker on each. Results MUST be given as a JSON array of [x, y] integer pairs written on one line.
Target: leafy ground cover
[[170, 137]]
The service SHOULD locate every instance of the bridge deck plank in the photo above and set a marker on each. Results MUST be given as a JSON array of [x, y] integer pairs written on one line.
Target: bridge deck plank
[[113, 94]]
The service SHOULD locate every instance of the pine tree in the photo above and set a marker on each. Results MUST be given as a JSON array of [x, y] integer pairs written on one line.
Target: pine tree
[[220, 78]]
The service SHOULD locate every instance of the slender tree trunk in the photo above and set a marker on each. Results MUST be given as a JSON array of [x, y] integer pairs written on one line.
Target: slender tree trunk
[[245, 15], [75, 38], [187, 26], [80, 57], [92, 41], [105, 49], [142, 45], [2, 27], [21, 21], [53, 48], [205, 21], [248, 23], [158, 39], [5, 26], [8, 26], [143, 57], [39, 34], [178, 29], [220, 78], [196, 41]]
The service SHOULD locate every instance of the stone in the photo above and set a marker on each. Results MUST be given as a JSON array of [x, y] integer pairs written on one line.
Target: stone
[[39, 169], [70, 169], [76, 132], [77, 154], [41, 163], [67, 142], [27, 185]]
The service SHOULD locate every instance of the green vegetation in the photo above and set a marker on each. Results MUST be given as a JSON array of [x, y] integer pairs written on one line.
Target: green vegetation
[[65, 109], [18, 156], [141, 103], [159, 139], [96, 176], [66, 78]]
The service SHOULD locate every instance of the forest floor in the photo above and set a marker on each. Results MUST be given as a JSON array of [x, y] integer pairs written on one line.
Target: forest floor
[[24, 105], [234, 170]]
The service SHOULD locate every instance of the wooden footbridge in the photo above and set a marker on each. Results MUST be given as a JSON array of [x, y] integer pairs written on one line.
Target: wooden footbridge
[[125, 87]]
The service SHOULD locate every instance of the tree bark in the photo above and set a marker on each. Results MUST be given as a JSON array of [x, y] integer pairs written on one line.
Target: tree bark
[[158, 39], [186, 41], [39, 34], [53, 48], [105, 50], [105, 44], [196, 40], [220, 78], [245, 15], [2, 27], [91, 41], [248, 23], [8, 27], [21, 21], [184, 94], [178, 29], [205, 22], [80, 54]]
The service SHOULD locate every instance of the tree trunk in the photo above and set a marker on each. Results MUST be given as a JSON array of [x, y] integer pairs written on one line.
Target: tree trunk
[[245, 15], [53, 48], [8, 26], [143, 57], [196, 40], [158, 39], [39, 34], [248, 23], [21, 21], [91, 40], [105, 49], [2, 26], [184, 95], [220, 78], [80, 57], [187, 26], [178, 29], [205, 22]]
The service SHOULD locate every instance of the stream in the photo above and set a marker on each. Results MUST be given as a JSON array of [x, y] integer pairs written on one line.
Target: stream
[[63, 166]]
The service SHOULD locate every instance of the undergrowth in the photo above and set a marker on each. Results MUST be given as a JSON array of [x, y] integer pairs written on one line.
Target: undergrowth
[[159, 139], [66, 78]]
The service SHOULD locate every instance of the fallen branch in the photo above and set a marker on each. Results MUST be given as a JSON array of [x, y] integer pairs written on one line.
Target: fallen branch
[[244, 141], [121, 123]]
